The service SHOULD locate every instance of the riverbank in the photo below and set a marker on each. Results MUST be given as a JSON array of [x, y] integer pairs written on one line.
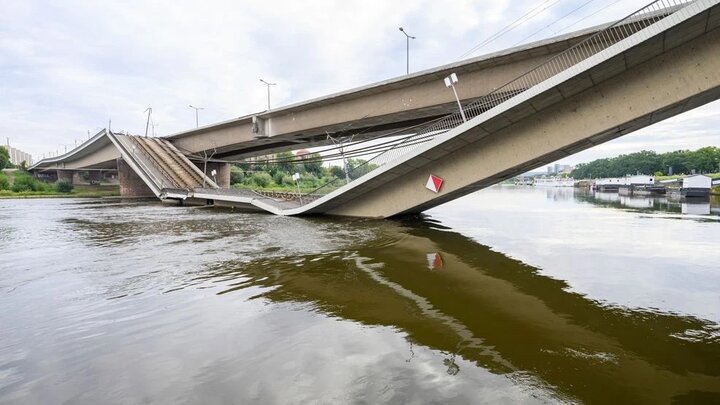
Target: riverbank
[[79, 191], [20, 184]]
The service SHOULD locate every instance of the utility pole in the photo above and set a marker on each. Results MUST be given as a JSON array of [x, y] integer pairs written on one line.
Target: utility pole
[[407, 50], [341, 148], [268, 91], [197, 122], [147, 124], [205, 162]]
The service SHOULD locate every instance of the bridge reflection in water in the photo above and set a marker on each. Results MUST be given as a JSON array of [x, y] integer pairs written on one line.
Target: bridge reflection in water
[[500, 314]]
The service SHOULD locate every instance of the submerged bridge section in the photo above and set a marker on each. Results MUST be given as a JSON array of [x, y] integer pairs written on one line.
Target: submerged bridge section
[[652, 65]]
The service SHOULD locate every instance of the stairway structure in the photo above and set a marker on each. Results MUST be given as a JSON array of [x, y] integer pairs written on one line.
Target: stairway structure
[[166, 171]]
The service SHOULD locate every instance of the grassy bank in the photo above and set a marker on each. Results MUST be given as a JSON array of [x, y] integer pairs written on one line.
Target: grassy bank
[[78, 192], [19, 184]]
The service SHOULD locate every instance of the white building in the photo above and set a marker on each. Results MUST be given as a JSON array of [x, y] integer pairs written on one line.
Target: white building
[[697, 181], [696, 186], [639, 180], [17, 156]]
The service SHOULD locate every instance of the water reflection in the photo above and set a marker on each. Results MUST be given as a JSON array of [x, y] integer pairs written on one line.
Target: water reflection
[[690, 206], [498, 313], [151, 303], [696, 208]]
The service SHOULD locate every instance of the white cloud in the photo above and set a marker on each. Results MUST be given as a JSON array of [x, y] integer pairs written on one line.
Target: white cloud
[[69, 67]]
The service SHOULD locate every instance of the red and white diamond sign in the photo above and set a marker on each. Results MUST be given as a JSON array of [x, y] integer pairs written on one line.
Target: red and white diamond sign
[[434, 182], [434, 261]]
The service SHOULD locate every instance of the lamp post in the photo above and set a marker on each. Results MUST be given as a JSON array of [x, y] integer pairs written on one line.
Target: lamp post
[[147, 124], [450, 82], [407, 50], [268, 90], [197, 125]]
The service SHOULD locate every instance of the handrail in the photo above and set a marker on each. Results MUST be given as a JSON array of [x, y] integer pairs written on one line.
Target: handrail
[[185, 163], [163, 172], [141, 165], [594, 44]]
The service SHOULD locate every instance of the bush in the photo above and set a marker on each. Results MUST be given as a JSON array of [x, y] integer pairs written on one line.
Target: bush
[[64, 186], [25, 182], [236, 175], [4, 183], [278, 177], [261, 179], [288, 180]]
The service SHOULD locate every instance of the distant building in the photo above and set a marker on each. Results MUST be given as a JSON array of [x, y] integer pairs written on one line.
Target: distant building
[[696, 186], [558, 168], [302, 153], [17, 156]]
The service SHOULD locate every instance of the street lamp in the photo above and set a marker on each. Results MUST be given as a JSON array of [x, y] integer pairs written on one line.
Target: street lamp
[[197, 125], [450, 82], [147, 124], [407, 50], [268, 90]]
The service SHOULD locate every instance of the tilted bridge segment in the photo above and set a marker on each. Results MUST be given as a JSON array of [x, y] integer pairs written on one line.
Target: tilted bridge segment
[[652, 65]]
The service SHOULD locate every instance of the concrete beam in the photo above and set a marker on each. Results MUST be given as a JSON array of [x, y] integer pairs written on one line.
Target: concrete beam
[[684, 76], [419, 96]]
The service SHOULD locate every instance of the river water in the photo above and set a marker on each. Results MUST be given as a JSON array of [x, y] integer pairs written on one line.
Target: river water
[[509, 295]]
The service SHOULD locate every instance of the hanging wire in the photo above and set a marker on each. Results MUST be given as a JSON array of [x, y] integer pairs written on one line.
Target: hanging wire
[[521, 20], [573, 11], [586, 17]]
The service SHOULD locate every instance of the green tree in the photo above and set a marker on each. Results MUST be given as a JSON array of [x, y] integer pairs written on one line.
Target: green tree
[[337, 171], [4, 183], [313, 164], [4, 158], [359, 167], [703, 160], [285, 162]]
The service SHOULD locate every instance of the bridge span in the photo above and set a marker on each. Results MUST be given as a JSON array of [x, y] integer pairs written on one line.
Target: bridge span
[[558, 97]]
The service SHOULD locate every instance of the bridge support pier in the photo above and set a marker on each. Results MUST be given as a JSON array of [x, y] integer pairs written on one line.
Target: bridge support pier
[[95, 176], [222, 177], [67, 175], [131, 185]]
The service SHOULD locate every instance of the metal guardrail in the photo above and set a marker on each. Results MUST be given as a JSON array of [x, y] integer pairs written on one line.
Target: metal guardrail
[[121, 144], [610, 35], [163, 172]]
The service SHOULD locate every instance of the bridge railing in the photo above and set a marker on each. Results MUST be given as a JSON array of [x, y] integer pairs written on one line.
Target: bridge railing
[[163, 174], [592, 45]]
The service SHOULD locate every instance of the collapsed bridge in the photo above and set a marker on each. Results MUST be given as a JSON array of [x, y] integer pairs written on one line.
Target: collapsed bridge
[[521, 108]]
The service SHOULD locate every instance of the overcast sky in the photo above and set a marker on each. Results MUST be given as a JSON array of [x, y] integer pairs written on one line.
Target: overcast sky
[[66, 68]]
